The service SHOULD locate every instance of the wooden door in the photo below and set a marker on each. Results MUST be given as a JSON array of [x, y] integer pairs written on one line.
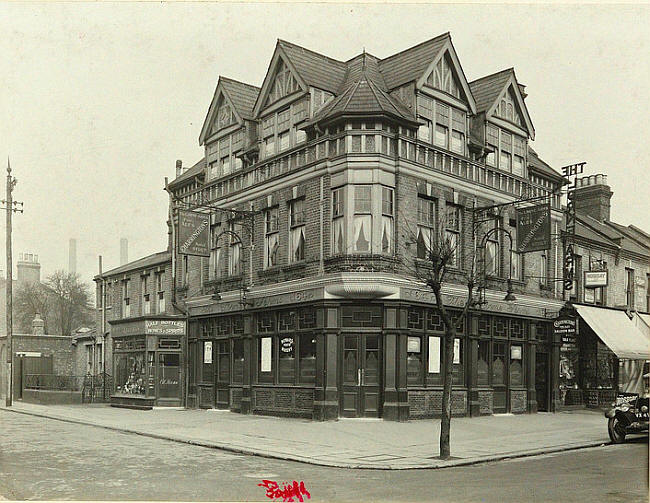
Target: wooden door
[[222, 375], [542, 374], [361, 364], [500, 377]]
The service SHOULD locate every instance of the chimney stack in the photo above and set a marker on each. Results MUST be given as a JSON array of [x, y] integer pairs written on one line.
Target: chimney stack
[[179, 167], [38, 325], [124, 251], [72, 256], [592, 197]]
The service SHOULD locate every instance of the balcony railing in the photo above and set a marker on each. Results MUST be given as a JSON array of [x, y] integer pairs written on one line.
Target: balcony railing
[[367, 142]]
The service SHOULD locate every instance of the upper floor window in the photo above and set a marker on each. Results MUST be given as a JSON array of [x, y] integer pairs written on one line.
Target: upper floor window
[[509, 150], [215, 252], [647, 294], [543, 269], [234, 251], [426, 226], [271, 237], [296, 230], [452, 233], [442, 77], [444, 125], [362, 218], [283, 85], [629, 288], [126, 300], [160, 292], [492, 249], [338, 222], [507, 109], [144, 287], [387, 220]]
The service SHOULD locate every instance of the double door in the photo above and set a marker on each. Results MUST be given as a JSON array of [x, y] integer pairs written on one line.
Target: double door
[[360, 377]]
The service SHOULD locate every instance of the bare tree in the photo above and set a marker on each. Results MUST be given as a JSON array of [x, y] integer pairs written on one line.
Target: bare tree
[[440, 254], [32, 297], [70, 302]]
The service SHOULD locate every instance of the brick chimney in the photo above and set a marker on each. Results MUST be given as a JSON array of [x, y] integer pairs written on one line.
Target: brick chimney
[[592, 197], [38, 325]]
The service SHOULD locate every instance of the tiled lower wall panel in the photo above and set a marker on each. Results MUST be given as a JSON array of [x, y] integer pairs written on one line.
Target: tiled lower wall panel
[[283, 399], [486, 402], [518, 400], [429, 403], [235, 398]]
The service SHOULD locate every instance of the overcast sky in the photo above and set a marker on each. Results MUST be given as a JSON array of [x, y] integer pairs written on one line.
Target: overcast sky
[[99, 100]]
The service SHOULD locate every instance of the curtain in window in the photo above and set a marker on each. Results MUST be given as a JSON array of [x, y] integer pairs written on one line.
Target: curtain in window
[[297, 247], [362, 233], [387, 235], [272, 245]]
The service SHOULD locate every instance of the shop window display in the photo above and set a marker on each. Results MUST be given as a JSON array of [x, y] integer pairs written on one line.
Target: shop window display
[[130, 377]]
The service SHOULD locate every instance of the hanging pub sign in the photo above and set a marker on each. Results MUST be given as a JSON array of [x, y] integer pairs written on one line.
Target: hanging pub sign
[[595, 279], [565, 328], [193, 233], [534, 228]]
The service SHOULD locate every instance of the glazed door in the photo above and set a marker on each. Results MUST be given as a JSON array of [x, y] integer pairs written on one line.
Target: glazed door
[[500, 377], [542, 375], [222, 375], [360, 377]]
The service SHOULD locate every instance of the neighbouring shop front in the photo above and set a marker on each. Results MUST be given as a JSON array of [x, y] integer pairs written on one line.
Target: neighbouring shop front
[[601, 352], [326, 359], [148, 361]]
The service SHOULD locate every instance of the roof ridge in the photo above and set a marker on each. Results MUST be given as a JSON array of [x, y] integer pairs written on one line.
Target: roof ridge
[[443, 35], [511, 69], [361, 54], [353, 89], [221, 77], [372, 85], [280, 41]]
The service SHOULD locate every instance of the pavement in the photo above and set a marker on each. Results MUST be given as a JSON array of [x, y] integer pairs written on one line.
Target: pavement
[[346, 443]]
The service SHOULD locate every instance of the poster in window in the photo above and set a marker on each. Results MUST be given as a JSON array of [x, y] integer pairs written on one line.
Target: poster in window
[[286, 346], [434, 354], [413, 345], [590, 295], [515, 352], [207, 352], [265, 354], [456, 351]]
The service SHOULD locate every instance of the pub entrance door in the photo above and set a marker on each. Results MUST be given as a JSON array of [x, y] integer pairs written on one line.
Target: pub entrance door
[[360, 378], [222, 375], [542, 374]]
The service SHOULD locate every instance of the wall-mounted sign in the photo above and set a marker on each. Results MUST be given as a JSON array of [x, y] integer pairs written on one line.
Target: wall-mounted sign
[[164, 327], [534, 228], [207, 352], [193, 233], [566, 328], [595, 279]]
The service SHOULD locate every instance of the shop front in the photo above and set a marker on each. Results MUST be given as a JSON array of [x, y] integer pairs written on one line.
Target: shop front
[[148, 362], [325, 358]]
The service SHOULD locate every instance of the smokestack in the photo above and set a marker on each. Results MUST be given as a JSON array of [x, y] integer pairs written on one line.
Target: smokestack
[[179, 167], [72, 256], [124, 251]]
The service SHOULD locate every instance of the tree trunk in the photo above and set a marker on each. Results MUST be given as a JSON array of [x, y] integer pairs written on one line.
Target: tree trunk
[[445, 422]]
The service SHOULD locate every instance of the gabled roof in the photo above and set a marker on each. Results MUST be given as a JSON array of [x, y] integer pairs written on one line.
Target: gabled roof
[[410, 64], [599, 231], [141, 263], [196, 170], [315, 69], [538, 164], [632, 232], [239, 95], [488, 90]]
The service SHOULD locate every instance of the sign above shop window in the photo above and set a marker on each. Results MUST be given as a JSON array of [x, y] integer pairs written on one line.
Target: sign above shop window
[[193, 233], [164, 327], [534, 228], [596, 279]]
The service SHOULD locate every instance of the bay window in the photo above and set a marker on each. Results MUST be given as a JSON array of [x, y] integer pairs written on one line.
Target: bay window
[[387, 220], [362, 218], [442, 126], [271, 237], [458, 124], [296, 230], [492, 138], [505, 158], [426, 226]]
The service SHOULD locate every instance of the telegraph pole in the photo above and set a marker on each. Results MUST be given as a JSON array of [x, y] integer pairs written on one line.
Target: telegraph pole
[[10, 206]]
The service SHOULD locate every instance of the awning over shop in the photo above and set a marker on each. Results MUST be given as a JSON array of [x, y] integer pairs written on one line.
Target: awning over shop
[[643, 323], [617, 331]]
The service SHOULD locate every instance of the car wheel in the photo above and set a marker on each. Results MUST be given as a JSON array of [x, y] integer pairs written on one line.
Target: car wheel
[[616, 431]]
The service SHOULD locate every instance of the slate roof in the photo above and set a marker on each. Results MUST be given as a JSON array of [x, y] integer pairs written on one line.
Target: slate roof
[[487, 89], [596, 231], [632, 232], [363, 94], [535, 162], [315, 69], [141, 263], [197, 169], [410, 64], [243, 96]]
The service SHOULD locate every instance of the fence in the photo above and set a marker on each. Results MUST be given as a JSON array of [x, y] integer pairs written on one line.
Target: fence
[[93, 388]]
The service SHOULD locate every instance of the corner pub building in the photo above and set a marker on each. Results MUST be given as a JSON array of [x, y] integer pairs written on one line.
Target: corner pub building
[[337, 171]]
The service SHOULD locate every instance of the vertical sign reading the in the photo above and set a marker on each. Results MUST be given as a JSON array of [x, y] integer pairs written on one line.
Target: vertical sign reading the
[[193, 233]]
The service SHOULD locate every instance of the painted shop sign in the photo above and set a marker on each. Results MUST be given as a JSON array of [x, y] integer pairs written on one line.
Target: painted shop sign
[[566, 329], [193, 233], [164, 327], [595, 279], [267, 301], [534, 228]]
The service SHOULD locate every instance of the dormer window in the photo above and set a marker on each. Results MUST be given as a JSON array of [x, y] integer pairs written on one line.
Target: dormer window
[[509, 150]]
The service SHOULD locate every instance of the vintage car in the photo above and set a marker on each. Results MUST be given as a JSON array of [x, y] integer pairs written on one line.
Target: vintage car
[[628, 415]]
